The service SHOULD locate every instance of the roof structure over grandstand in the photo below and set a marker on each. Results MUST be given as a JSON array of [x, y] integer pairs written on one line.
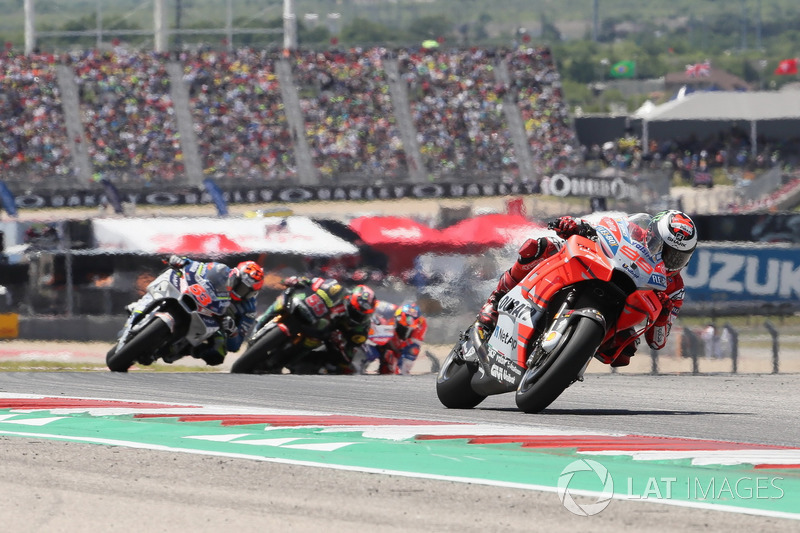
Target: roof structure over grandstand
[[717, 79], [763, 113], [734, 105]]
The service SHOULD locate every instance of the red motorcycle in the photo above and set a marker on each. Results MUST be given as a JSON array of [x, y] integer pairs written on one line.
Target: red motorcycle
[[552, 323]]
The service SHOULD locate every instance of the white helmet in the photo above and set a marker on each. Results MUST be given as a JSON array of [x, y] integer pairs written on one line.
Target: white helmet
[[679, 234]]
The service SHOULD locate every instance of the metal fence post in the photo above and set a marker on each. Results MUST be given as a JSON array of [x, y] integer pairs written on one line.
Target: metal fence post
[[653, 361], [734, 347], [693, 345], [774, 333]]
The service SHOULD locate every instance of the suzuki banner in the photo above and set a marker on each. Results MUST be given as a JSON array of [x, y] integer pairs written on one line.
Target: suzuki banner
[[743, 273]]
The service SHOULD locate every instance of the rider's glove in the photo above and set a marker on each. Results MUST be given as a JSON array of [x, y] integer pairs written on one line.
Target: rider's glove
[[229, 326], [296, 281], [177, 262], [666, 303], [565, 227]]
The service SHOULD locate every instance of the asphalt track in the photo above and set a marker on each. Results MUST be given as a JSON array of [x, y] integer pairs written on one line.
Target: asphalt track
[[57, 486]]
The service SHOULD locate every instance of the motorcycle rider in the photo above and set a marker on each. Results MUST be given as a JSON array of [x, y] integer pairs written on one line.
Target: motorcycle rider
[[242, 282], [350, 314], [353, 319], [396, 338], [679, 235]]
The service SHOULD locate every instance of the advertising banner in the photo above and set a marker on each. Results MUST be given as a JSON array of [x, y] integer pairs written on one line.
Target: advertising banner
[[559, 185], [743, 274], [210, 237]]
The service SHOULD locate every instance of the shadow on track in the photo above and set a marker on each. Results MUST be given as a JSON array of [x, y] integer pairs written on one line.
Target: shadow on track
[[630, 412], [611, 412]]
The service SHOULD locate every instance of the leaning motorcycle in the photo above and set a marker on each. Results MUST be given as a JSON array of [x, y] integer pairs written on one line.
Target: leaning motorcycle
[[302, 324], [552, 323], [180, 310]]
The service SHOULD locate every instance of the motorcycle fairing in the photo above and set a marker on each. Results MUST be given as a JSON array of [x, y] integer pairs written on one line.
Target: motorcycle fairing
[[504, 358], [381, 334], [579, 260], [617, 238], [213, 302], [567, 266], [169, 285], [299, 306]]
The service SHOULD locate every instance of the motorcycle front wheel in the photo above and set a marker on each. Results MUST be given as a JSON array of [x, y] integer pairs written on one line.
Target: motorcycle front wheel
[[544, 381], [453, 383], [146, 342], [262, 355]]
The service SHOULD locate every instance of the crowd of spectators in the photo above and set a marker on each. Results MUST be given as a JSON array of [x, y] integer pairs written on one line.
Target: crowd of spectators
[[350, 118], [129, 118], [456, 102], [128, 115], [33, 140], [238, 112], [536, 85], [730, 151]]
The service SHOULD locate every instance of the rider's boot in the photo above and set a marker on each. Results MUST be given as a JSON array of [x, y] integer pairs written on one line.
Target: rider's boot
[[606, 351], [531, 253], [172, 355], [212, 351], [487, 316]]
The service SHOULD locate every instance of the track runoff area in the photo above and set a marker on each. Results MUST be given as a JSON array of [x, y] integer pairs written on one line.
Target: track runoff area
[[587, 470]]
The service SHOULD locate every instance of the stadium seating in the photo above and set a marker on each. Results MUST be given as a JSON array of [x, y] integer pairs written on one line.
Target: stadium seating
[[459, 102]]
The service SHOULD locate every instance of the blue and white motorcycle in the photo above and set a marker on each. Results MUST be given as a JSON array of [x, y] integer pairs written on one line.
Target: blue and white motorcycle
[[180, 310]]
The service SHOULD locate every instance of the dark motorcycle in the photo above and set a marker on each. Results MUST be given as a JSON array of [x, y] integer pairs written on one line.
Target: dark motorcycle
[[302, 324]]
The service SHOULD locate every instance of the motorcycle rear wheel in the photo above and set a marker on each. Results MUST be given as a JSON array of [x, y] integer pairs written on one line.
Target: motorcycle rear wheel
[[543, 383], [146, 342], [260, 356], [453, 383]]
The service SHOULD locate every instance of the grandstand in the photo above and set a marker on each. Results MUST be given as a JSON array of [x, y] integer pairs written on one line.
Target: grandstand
[[146, 119]]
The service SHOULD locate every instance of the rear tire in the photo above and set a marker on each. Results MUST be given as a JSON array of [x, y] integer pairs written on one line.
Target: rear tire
[[542, 384], [146, 342], [260, 356], [453, 383]]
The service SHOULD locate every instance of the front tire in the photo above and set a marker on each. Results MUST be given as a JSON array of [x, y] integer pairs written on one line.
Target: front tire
[[259, 356], [543, 383], [146, 342], [453, 383]]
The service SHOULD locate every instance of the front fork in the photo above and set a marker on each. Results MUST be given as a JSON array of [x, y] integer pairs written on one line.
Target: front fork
[[554, 335]]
